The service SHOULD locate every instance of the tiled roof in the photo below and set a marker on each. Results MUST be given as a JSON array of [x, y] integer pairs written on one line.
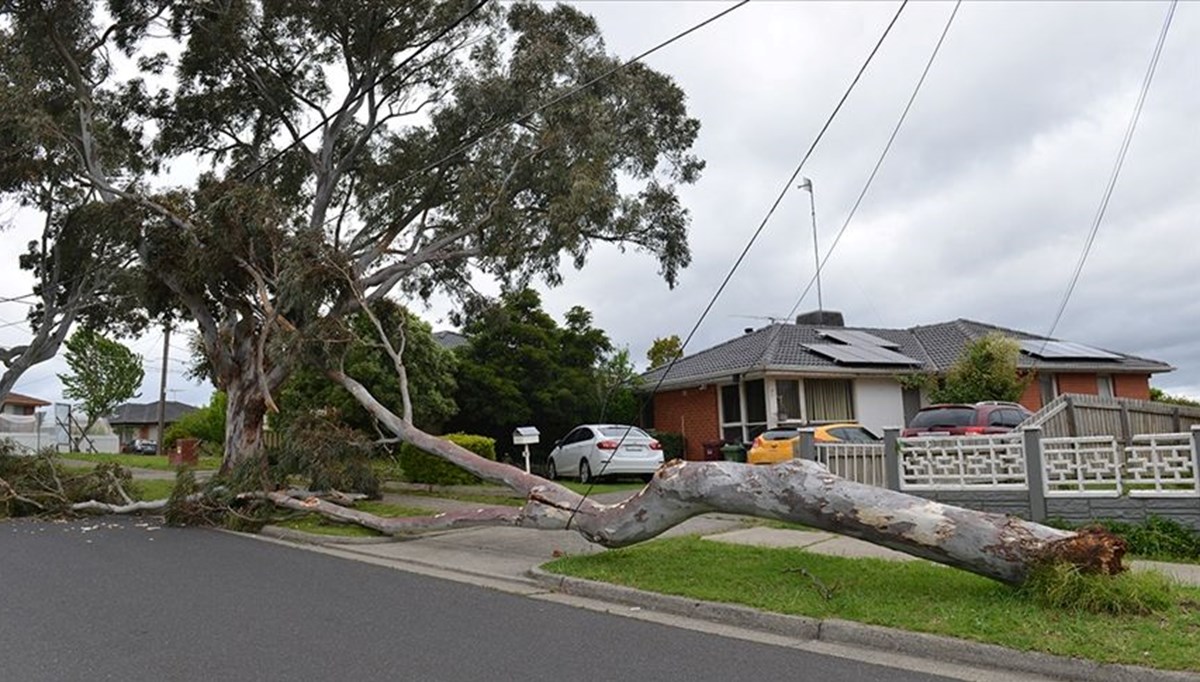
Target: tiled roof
[[449, 340], [21, 399], [147, 413], [935, 347]]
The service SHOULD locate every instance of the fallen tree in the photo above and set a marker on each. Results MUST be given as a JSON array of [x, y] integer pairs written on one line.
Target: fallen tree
[[997, 546]]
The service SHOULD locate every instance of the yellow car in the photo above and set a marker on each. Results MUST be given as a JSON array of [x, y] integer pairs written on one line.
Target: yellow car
[[779, 444]]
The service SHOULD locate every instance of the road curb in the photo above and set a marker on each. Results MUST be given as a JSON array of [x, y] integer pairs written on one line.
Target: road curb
[[934, 647]]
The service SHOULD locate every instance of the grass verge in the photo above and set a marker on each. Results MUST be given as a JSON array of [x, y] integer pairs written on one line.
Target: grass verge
[[320, 525], [157, 462], [915, 596]]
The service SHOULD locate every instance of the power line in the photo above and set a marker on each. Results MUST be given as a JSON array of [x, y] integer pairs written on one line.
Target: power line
[[754, 237], [391, 72], [1116, 172], [878, 163]]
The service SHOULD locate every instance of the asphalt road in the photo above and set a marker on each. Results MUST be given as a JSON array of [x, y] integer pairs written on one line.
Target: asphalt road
[[118, 600]]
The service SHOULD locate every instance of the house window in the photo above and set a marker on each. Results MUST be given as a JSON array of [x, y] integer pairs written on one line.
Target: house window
[[787, 400], [829, 400], [1048, 387], [756, 408], [1104, 384], [731, 413]]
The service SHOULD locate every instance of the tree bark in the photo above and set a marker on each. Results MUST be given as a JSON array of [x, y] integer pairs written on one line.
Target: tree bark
[[997, 546], [245, 415]]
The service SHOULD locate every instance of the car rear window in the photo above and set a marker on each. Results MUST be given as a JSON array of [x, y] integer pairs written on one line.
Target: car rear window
[[620, 431], [944, 416], [780, 434], [853, 434]]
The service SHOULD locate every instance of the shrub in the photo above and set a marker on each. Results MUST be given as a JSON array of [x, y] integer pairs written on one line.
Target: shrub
[[1155, 538], [206, 423], [422, 467], [673, 444]]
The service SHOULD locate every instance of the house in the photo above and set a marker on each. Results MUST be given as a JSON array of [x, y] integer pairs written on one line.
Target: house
[[21, 405], [140, 420], [450, 339], [818, 370]]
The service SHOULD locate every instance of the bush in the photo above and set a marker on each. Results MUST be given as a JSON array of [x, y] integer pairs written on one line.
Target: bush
[[422, 467], [206, 423], [1155, 538], [673, 444]]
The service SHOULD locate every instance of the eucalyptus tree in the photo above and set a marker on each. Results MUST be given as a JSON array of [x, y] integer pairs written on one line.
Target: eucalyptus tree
[[345, 152]]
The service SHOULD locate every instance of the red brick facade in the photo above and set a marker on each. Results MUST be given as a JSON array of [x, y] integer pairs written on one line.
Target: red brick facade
[[691, 412], [1135, 386]]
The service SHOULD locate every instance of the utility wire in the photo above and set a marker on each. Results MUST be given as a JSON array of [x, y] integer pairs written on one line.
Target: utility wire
[[391, 72], [883, 155], [754, 237], [1116, 172]]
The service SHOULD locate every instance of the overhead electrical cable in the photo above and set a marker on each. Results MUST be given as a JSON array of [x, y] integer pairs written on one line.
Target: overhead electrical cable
[[754, 237], [1116, 171], [879, 163]]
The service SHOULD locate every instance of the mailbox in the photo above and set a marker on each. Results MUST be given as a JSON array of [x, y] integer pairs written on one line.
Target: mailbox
[[526, 435]]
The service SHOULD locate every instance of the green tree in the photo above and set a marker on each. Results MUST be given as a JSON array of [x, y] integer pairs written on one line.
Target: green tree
[[664, 350], [986, 370], [1160, 396], [429, 369], [522, 368], [206, 423], [616, 383], [424, 167], [104, 374]]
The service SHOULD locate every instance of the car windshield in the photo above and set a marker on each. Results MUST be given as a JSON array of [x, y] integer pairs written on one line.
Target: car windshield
[[620, 431], [780, 434], [944, 416]]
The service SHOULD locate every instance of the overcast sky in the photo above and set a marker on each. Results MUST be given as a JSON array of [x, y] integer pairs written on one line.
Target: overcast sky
[[980, 211]]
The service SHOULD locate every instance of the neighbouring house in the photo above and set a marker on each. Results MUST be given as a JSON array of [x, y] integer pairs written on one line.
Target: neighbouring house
[[818, 370], [133, 421], [21, 405], [449, 339]]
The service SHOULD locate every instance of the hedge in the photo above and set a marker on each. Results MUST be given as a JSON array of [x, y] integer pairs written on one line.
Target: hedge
[[422, 467], [673, 444]]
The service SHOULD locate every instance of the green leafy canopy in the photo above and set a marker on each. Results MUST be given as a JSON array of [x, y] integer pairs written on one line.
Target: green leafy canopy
[[104, 373]]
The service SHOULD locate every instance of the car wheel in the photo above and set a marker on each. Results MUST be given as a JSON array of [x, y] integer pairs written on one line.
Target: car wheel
[[585, 472], [551, 471]]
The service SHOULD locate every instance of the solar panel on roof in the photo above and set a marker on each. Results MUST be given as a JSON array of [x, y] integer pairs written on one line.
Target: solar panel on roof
[[860, 355], [856, 338], [1064, 350]]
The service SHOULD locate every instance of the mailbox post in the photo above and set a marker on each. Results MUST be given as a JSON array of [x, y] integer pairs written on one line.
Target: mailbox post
[[526, 435]]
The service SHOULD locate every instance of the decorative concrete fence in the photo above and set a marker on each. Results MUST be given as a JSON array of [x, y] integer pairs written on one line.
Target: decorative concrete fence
[[1077, 479]]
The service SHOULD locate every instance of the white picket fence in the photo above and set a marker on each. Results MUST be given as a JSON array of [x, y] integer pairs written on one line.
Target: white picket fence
[[861, 462]]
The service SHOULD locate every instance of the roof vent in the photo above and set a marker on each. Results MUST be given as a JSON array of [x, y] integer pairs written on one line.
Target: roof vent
[[748, 330], [822, 318]]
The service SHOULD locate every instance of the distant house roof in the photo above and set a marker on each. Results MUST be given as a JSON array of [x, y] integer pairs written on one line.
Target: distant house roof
[[450, 340], [147, 413], [814, 349], [22, 399]]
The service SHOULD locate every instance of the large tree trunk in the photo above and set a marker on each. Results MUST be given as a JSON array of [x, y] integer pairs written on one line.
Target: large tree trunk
[[997, 546], [244, 418]]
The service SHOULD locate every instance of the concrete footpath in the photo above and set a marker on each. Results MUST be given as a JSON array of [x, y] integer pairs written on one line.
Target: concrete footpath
[[509, 559]]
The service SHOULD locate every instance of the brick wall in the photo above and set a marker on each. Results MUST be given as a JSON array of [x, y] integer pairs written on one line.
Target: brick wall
[[1031, 398], [1077, 383], [1132, 386], [692, 412]]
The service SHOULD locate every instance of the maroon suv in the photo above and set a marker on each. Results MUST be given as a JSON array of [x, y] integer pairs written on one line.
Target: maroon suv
[[964, 420]]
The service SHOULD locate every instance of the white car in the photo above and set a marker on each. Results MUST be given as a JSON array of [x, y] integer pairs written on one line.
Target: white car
[[594, 450]]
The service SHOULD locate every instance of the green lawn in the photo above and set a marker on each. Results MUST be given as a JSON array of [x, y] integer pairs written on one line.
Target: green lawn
[[320, 525], [151, 489], [158, 462], [912, 595]]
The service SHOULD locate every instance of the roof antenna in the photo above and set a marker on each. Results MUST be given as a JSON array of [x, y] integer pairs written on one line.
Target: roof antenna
[[807, 184]]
